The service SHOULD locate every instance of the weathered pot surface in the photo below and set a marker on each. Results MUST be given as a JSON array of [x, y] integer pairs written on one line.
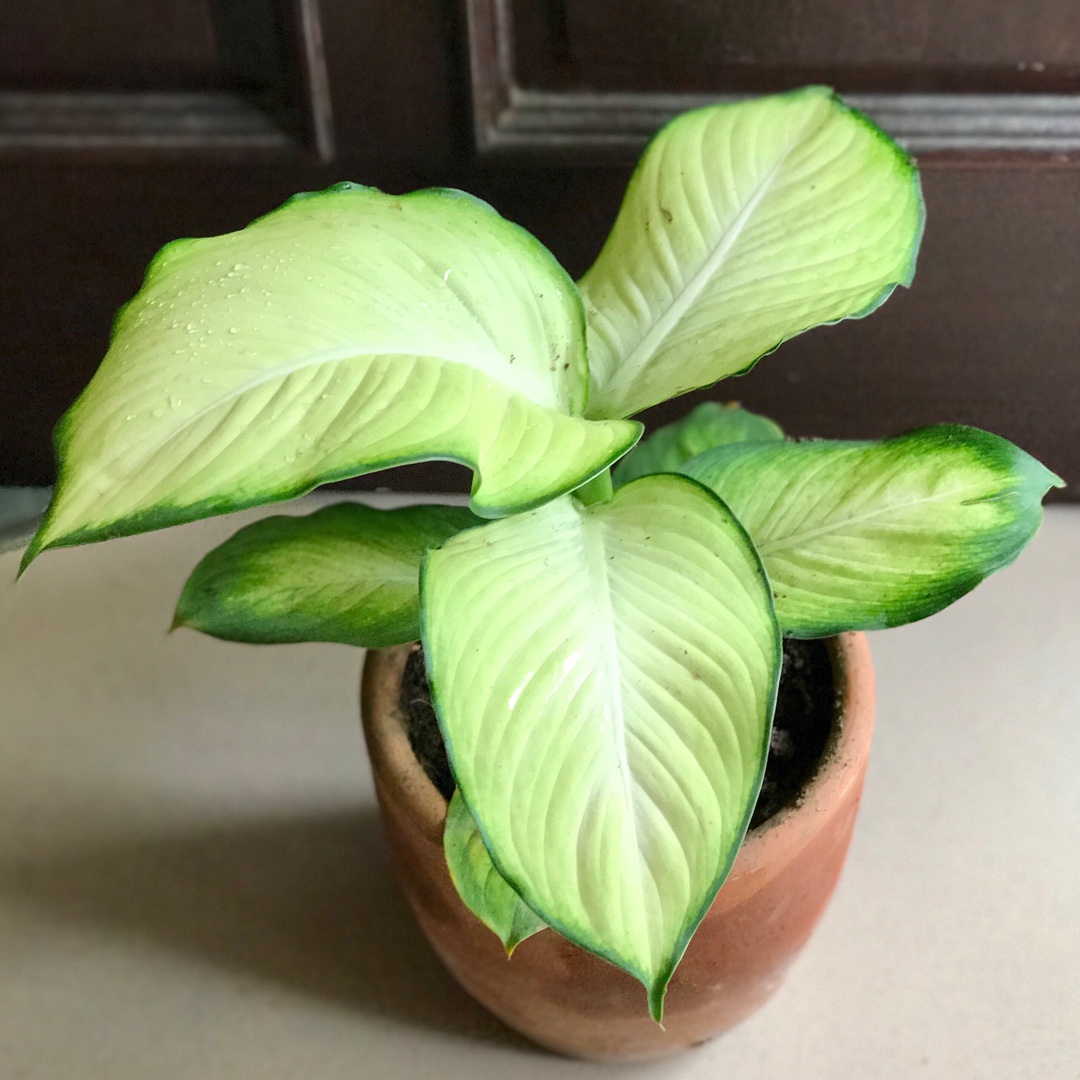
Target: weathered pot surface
[[573, 1002]]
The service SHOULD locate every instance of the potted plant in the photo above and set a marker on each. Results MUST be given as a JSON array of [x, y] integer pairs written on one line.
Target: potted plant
[[603, 652]]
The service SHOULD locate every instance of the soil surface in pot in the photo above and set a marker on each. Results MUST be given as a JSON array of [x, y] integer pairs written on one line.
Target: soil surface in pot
[[802, 725]]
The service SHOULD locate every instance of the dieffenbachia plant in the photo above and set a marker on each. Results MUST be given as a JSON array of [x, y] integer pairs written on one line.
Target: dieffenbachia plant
[[603, 652]]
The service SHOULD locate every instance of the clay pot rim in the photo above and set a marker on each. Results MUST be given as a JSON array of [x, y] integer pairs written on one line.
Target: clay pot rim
[[849, 741]]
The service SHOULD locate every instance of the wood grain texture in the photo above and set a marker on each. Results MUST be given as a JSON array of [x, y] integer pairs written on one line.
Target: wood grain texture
[[592, 79], [245, 78], [917, 34], [108, 45]]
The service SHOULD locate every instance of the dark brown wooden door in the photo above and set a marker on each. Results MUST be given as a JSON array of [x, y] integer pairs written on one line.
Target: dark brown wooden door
[[124, 125]]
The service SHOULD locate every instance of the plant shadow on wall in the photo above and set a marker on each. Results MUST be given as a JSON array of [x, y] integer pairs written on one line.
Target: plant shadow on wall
[[603, 647], [309, 903]]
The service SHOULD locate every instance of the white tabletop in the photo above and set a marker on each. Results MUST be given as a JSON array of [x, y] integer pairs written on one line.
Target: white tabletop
[[194, 883]]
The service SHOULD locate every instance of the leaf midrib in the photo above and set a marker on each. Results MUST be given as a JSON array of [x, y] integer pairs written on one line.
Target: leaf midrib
[[283, 371], [597, 559], [681, 302], [770, 547]]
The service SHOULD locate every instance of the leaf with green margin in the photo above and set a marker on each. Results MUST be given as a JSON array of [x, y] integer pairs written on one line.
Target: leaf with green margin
[[744, 225], [345, 332], [604, 678], [348, 573], [709, 425], [483, 890], [865, 535]]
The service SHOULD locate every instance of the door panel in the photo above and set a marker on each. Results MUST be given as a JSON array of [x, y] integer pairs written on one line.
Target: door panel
[[423, 93]]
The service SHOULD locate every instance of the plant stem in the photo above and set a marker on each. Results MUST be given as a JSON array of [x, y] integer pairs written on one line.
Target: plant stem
[[596, 490]]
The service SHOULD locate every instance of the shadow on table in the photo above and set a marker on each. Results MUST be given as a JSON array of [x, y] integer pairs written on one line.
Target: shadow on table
[[309, 903]]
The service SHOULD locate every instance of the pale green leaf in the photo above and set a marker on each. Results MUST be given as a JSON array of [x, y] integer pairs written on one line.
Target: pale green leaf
[[605, 677], [743, 225], [483, 890], [347, 573], [709, 425], [865, 535], [345, 332]]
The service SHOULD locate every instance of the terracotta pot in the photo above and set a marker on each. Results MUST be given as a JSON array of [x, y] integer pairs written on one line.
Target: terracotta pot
[[572, 1002]]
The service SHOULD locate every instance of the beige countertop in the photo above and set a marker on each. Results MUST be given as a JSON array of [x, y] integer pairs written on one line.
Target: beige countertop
[[194, 883]]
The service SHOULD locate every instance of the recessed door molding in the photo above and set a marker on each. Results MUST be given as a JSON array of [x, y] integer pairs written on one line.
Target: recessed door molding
[[512, 119], [160, 123]]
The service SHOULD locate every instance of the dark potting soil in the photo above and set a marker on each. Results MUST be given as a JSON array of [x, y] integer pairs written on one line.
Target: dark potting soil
[[802, 725], [806, 702]]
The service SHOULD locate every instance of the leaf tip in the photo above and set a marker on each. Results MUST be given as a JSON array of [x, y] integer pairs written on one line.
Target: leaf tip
[[657, 991], [1035, 476], [1053, 480], [33, 550], [186, 611]]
